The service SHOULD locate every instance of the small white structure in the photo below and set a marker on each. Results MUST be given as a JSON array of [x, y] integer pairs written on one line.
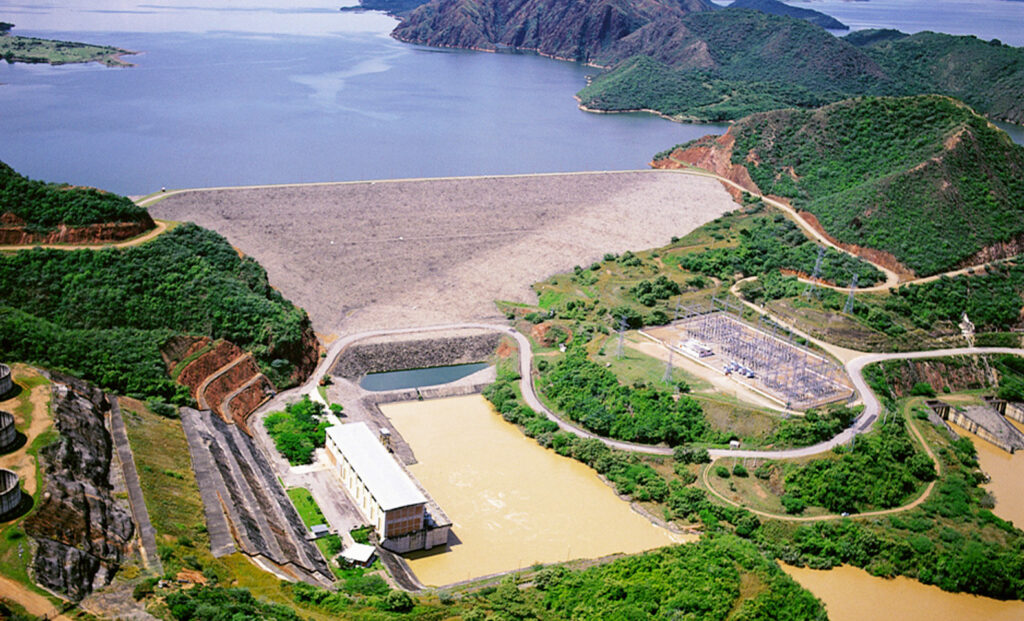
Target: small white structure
[[382, 490], [359, 554], [695, 348], [319, 530]]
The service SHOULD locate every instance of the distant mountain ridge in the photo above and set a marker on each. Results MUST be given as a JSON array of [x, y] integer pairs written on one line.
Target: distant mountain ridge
[[693, 61], [920, 184], [567, 29], [774, 7]]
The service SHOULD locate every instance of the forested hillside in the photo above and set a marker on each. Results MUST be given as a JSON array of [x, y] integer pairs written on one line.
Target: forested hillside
[[103, 315], [40, 206], [693, 62], [923, 179]]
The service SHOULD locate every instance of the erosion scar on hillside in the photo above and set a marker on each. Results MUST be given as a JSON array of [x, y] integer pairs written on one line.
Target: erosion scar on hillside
[[368, 255]]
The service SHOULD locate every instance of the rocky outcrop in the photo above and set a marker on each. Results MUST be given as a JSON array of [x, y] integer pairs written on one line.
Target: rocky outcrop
[[566, 29], [957, 372], [414, 353], [82, 533]]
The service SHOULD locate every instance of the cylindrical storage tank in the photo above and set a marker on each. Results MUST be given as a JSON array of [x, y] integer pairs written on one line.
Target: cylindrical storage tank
[[10, 491], [8, 434], [6, 384]]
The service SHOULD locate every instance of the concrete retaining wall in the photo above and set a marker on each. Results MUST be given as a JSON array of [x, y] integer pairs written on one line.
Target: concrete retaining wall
[[414, 353], [8, 432], [961, 420], [420, 540], [10, 491], [6, 383]]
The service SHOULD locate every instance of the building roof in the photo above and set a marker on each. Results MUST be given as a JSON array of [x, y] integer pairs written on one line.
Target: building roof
[[358, 553], [383, 477]]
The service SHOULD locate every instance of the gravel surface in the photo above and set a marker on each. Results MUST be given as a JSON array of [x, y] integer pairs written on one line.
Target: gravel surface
[[386, 254]]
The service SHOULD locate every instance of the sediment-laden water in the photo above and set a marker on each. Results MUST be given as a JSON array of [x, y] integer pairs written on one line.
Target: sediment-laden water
[[512, 502]]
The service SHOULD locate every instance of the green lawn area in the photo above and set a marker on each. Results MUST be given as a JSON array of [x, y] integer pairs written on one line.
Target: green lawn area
[[308, 510]]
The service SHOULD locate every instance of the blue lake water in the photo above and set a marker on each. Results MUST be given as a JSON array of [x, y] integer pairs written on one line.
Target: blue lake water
[[279, 93], [417, 378]]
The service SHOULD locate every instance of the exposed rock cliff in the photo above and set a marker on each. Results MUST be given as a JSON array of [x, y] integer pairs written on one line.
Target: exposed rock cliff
[[82, 532], [568, 29]]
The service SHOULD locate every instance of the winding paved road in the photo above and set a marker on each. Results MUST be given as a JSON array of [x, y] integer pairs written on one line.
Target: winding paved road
[[854, 367]]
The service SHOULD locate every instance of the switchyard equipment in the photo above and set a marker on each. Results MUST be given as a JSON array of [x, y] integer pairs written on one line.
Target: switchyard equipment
[[790, 373]]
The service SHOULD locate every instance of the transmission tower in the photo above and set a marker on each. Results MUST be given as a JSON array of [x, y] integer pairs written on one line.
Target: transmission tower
[[678, 302], [622, 334], [813, 289], [849, 300], [668, 368]]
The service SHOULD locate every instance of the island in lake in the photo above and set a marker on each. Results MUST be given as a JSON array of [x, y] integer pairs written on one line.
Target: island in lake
[[15, 49]]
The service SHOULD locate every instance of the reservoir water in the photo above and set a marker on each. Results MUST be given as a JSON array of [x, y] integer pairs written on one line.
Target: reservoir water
[[284, 92], [512, 502], [415, 378]]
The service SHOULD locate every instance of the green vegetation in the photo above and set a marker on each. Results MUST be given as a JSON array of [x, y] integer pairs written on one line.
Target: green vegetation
[[298, 431], [31, 50], [592, 396], [895, 174], [304, 503], [42, 206], [770, 244], [951, 540], [721, 577], [881, 471], [103, 315], [755, 62]]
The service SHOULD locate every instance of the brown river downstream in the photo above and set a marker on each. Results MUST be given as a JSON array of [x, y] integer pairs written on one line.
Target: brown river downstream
[[852, 594], [512, 502]]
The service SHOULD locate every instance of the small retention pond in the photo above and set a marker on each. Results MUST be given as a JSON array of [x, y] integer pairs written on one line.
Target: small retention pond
[[415, 378], [512, 502]]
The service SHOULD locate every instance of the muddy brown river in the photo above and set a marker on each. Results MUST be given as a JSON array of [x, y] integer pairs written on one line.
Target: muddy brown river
[[512, 502], [852, 594]]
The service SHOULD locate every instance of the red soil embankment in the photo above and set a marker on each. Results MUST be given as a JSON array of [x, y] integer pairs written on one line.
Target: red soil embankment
[[229, 381], [246, 401], [872, 255], [712, 153], [206, 365], [14, 233]]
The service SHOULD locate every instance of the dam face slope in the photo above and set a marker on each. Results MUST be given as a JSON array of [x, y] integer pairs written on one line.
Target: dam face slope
[[368, 255]]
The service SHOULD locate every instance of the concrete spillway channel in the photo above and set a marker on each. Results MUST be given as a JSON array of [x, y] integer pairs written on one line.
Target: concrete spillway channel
[[245, 506], [987, 421]]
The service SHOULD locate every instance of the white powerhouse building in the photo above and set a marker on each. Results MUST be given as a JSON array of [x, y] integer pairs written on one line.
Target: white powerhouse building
[[404, 518]]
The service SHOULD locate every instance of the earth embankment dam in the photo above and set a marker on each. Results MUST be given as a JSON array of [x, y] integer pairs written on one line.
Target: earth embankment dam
[[383, 254]]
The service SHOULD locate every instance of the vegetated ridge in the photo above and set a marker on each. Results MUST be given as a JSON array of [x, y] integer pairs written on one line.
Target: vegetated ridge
[[774, 7], [922, 184], [38, 212], [692, 62], [16, 49], [106, 314]]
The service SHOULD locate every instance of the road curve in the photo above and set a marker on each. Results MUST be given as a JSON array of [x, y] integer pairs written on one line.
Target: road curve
[[854, 367]]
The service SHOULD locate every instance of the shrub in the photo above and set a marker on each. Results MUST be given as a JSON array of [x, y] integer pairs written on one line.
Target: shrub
[[722, 472]]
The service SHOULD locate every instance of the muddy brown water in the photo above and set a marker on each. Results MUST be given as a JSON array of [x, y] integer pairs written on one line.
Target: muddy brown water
[[512, 502], [853, 594]]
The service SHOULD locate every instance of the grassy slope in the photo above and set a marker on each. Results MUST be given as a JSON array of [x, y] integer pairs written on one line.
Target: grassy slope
[[922, 178]]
